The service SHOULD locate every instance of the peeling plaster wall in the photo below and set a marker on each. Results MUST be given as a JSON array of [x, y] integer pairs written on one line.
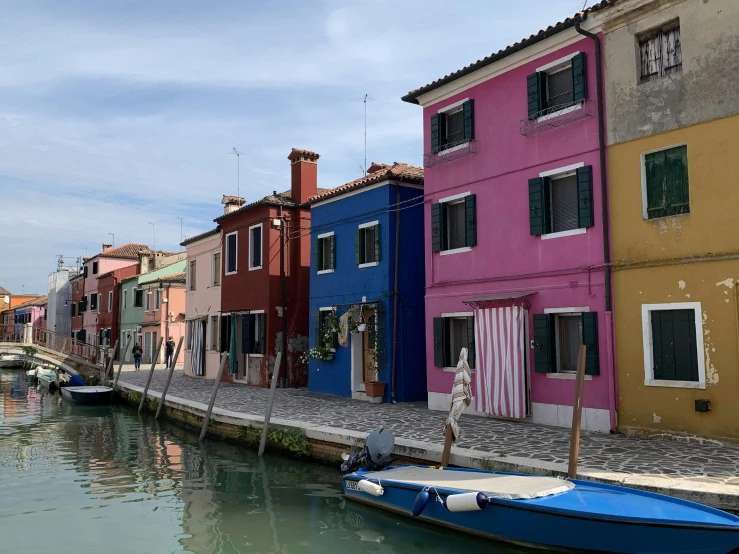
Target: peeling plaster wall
[[702, 91], [670, 411]]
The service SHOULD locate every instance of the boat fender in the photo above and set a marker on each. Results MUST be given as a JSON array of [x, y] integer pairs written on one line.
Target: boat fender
[[370, 488], [466, 502], [420, 503]]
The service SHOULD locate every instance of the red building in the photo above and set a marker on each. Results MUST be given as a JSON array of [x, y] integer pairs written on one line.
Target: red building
[[252, 283], [109, 294], [77, 307]]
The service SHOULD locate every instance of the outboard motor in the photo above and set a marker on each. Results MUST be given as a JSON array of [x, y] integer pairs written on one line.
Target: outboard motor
[[376, 452]]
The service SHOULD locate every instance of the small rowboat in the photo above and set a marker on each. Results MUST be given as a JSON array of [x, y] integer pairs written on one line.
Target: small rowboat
[[547, 512], [87, 395]]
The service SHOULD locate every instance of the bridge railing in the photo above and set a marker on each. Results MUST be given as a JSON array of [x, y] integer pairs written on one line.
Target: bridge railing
[[12, 333], [69, 346]]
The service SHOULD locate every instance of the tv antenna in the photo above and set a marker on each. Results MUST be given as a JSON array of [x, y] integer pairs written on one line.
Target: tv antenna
[[238, 170], [113, 241], [364, 100]]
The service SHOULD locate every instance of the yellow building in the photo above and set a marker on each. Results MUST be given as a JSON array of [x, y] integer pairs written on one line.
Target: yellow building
[[673, 157]]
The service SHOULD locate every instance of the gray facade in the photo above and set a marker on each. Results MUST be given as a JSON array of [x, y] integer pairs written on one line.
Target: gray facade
[[702, 90], [59, 316]]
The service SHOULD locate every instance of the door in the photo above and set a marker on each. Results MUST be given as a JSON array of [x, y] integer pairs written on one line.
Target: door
[[369, 340], [147, 348]]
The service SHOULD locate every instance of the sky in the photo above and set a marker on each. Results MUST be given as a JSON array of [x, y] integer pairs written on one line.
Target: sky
[[122, 113]]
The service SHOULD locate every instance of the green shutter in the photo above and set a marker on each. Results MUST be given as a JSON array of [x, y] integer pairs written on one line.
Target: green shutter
[[579, 82], [436, 139], [377, 242], [439, 346], [471, 352], [656, 183], [590, 340], [470, 212], [542, 343], [436, 227], [468, 109], [359, 247], [585, 216], [676, 168], [537, 207], [535, 94], [332, 245], [319, 257], [674, 345]]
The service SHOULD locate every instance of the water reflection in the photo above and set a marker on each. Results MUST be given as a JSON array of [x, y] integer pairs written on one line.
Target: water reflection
[[83, 479]]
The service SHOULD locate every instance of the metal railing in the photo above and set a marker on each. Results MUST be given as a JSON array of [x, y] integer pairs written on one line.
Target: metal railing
[[25, 334]]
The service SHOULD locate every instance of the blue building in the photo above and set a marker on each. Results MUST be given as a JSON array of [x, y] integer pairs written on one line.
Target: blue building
[[358, 263]]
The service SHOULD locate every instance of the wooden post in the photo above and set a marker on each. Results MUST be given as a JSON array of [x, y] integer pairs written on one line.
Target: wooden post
[[110, 362], [577, 414], [448, 439], [151, 373], [169, 378], [120, 366], [270, 400], [213, 396]]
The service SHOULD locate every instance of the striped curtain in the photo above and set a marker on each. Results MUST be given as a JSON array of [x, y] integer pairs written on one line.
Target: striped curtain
[[196, 355], [500, 380]]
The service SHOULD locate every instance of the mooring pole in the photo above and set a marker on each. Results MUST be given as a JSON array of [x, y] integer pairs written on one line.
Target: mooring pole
[[169, 378], [448, 439], [213, 396], [577, 414], [120, 366], [151, 373], [110, 363], [270, 400]]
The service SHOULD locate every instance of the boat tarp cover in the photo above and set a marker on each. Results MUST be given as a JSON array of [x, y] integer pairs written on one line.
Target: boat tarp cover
[[513, 487]]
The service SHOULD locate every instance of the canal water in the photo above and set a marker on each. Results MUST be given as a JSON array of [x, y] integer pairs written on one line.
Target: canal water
[[104, 479]]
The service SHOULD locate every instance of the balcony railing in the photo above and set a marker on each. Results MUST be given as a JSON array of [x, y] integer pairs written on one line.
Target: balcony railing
[[557, 116], [450, 152]]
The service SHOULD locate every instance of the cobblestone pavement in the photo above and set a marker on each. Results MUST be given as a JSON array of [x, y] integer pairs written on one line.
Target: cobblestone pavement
[[698, 463]]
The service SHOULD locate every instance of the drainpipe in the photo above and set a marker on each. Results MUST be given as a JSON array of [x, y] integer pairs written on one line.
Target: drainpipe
[[604, 211], [395, 292], [284, 301]]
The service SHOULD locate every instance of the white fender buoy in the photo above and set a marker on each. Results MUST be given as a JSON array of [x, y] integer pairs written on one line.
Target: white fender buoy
[[369, 487], [466, 502]]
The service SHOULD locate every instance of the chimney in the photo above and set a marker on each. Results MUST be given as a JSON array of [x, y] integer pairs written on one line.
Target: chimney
[[231, 203], [304, 175], [375, 167], [107, 247]]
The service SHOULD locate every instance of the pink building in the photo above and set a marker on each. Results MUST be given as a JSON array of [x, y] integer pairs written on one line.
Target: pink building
[[516, 261]]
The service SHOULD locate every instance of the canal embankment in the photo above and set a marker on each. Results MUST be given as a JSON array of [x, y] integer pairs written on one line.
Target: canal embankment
[[323, 427]]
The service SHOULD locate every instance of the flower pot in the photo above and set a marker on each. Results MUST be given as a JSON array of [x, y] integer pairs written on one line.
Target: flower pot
[[374, 390], [361, 327]]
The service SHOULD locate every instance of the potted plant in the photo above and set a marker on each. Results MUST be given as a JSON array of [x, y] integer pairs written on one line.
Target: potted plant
[[375, 389]]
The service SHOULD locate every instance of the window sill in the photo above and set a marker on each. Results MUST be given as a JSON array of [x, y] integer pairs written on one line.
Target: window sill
[[572, 376], [231, 273], [255, 268], [324, 271], [563, 111], [561, 234], [194, 290], [455, 251], [666, 216], [674, 384], [453, 149], [216, 286], [369, 264]]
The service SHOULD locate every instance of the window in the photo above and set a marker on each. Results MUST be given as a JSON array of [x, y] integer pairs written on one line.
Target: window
[[157, 298], [255, 247], [84, 272], [557, 86], [561, 201], [673, 345], [93, 301], [191, 276], [110, 300], [454, 223], [452, 332], [231, 253], [325, 255], [660, 52], [665, 182], [148, 300], [125, 299], [71, 311], [78, 286], [94, 268], [453, 126], [368, 244], [216, 269], [138, 298], [214, 337], [324, 321], [254, 333], [558, 334]]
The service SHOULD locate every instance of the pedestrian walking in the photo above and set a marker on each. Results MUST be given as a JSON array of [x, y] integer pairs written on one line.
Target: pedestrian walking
[[137, 352], [169, 354]]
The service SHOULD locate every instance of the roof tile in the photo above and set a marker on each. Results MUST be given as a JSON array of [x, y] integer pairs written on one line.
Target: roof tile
[[381, 172]]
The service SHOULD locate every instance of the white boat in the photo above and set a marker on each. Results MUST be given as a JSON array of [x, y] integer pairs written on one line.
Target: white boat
[[50, 377], [11, 361], [87, 395]]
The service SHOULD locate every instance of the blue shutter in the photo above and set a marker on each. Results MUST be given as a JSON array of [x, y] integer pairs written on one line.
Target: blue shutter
[[585, 216]]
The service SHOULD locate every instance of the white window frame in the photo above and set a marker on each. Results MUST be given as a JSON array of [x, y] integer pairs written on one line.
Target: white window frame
[[453, 108], [646, 323], [236, 250], [550, 69], [261, 251], [110, 301], [213, 269], [455, 315], [320, 237], [558, 173], [452, 200], [643, 161], [375, 223], [327, 309]]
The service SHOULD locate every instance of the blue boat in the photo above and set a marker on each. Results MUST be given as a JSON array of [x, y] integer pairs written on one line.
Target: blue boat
[[547, 512], [87, 395]]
